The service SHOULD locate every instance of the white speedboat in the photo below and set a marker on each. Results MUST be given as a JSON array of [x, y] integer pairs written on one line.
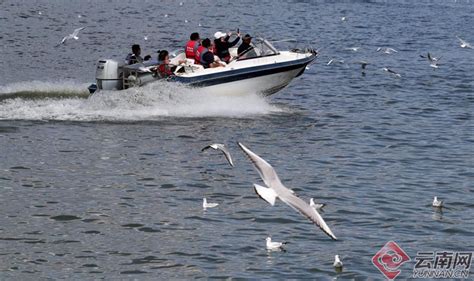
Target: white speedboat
[[262, 69]]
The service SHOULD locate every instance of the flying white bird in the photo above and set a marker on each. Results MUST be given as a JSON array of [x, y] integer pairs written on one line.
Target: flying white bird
[[206, 205], [275, 189], [335, 61], [223, 148], [316, 206], [430, 57], [337, 262], [392, 72], [274, 245], [437, 203], [73, 35], [464, 44], [433, 60]]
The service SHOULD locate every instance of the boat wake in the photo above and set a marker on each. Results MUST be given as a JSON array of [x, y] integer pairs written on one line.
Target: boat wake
[[70, 101]]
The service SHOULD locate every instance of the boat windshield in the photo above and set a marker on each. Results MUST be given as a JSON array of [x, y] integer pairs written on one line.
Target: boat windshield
[[260, 48]]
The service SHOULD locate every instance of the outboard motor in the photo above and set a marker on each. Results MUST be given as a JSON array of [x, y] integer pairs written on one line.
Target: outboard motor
[[109, 75]]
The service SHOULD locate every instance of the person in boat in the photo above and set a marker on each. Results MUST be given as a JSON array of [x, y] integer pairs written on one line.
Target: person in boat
[[164, 68], [135, 57], [205, 57], [244, 48], [192, 45], [212, 49], [222, 45]]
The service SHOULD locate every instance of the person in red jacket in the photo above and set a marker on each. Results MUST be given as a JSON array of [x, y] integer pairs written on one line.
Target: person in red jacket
[[200, 50], [192, 45], [206, 57]]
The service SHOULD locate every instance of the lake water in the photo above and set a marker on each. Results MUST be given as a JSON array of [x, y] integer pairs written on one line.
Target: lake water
[[111, 186]]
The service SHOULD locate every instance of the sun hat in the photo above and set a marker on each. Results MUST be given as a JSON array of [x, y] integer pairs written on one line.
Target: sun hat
[[219, 34]]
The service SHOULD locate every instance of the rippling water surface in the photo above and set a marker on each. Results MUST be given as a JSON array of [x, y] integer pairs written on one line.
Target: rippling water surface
[[111, 186]]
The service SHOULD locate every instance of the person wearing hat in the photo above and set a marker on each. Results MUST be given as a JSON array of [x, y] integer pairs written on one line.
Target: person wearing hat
[[245, 46], [222, 45]]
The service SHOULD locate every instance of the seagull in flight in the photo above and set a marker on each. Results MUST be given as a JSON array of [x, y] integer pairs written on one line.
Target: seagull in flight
[[274, 245], [73, 35], [433, 60], [334, 61], [437, 203], [206, 205], [387, 50], [464, 44], [275, 189], [392, 72], [430, 58], [223, 148]]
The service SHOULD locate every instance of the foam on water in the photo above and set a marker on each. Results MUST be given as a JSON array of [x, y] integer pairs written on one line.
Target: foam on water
[[67, 86], [70, 101]]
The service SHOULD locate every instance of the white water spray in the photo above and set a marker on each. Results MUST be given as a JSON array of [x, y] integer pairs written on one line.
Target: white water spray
[[67, 101]]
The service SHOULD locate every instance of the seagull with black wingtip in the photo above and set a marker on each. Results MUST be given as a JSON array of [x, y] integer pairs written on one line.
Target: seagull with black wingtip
[[433, 60]]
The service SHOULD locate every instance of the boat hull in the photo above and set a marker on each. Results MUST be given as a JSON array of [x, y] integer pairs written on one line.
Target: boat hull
[[265, 85], [266, 80]]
